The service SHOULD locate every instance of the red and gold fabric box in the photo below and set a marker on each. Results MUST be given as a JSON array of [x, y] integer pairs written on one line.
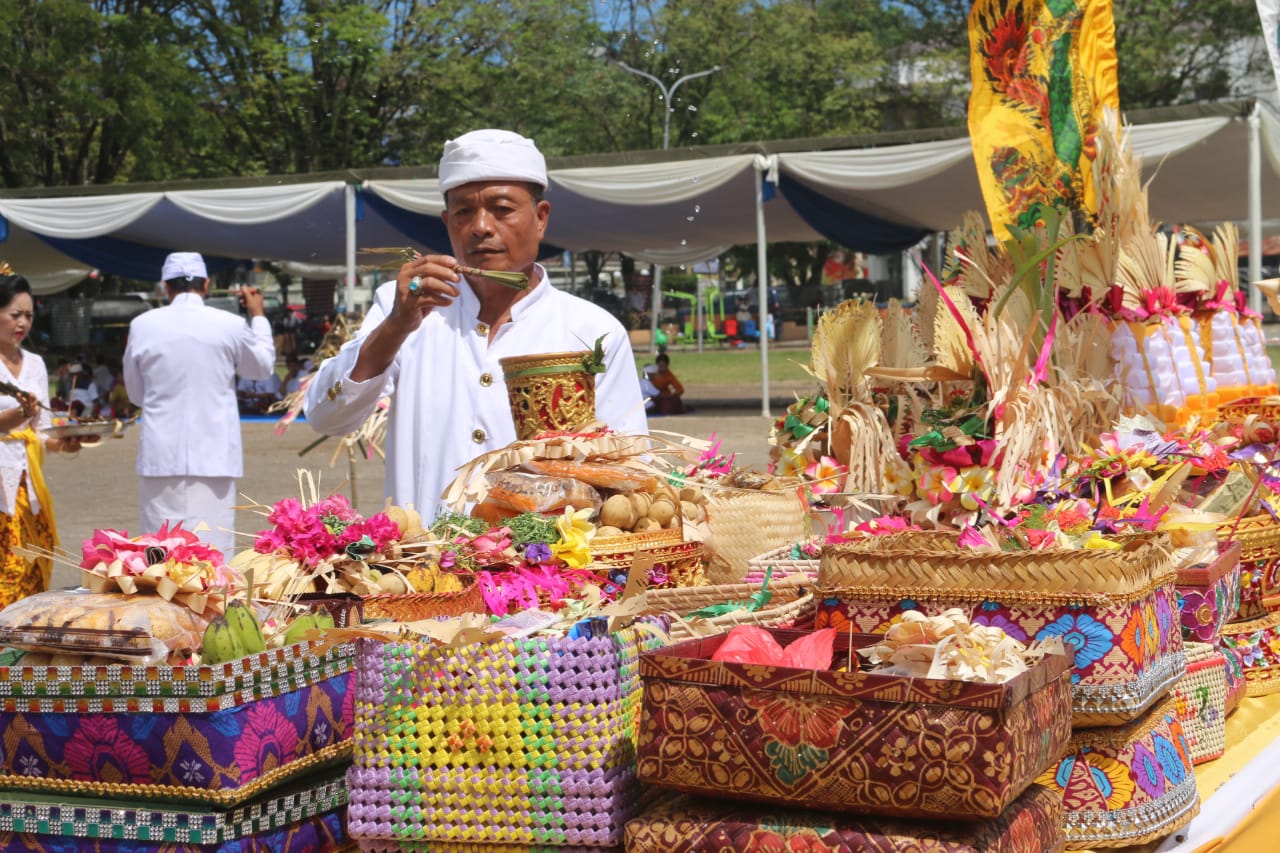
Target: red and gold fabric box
[[847, 741], [1032, 824], [1117, 609]]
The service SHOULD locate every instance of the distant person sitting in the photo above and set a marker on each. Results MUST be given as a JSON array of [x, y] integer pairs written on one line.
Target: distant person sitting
[[84, 393], [648, 390], [670, 392], [255, 396], [295, 372]]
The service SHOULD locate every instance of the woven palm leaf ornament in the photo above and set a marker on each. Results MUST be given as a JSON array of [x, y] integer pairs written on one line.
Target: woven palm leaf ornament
[[846, 344]]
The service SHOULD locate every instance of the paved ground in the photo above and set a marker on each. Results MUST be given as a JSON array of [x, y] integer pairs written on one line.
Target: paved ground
[[97, 489]]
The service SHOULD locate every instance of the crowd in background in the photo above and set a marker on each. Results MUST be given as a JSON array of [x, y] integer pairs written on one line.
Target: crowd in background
[[97, 390]]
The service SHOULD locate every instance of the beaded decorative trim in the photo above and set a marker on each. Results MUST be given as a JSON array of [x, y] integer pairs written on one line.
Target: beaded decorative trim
[[158, 823], [333, 753], [1113, 704], [267, 673], [1138, 824]]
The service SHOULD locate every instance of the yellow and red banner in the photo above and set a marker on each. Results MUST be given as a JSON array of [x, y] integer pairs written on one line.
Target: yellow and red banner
[[1042, 72]]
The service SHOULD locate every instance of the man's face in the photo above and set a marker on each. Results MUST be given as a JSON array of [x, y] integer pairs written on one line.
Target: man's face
[[495, 225]]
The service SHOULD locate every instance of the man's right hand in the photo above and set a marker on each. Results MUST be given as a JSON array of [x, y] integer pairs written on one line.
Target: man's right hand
[[253, 301], [435, 287], [423, 284]]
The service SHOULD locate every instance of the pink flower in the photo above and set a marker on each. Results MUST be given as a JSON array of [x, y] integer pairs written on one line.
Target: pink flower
[[827, 474], [99, 751], [269, 741]]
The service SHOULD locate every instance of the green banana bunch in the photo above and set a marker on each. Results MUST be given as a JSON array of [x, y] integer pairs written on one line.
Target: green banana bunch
[[221, 643], [302, 625], [244, 622]]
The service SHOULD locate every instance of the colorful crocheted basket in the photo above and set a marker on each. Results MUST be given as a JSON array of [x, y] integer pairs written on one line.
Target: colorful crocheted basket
[[524, 741]]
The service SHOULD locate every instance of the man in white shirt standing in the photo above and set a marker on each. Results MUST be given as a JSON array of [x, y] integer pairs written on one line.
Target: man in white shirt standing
[[180, 368], [434, 336]]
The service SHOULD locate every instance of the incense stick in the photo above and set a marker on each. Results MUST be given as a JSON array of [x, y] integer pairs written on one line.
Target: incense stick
[[509, 278]]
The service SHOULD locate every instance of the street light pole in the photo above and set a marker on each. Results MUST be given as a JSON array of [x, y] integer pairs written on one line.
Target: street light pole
[[656, 299]]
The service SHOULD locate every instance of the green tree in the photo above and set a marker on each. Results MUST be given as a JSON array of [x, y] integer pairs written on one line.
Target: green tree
[[1180, 51], [92, 93]]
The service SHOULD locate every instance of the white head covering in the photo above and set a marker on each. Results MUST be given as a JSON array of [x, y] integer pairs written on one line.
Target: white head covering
[[183, 265], [491, 155]]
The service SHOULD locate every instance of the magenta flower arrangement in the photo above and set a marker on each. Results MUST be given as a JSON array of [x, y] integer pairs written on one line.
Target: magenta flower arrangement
[[312, 534]]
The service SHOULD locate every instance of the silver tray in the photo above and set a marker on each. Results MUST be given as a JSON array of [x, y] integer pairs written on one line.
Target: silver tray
[[84, 430]]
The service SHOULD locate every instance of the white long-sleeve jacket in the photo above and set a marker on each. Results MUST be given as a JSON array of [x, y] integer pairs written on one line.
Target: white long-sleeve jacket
[[180, 368], [449, 399]]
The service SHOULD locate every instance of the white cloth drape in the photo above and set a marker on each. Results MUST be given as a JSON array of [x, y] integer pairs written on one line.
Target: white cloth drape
[[1153, 141], [652, 183], [877, 168], [253, 205], [421, 195], [78, 217]]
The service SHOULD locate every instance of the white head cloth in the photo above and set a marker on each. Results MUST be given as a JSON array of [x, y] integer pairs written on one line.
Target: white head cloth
[[183, 265], [491, 155]]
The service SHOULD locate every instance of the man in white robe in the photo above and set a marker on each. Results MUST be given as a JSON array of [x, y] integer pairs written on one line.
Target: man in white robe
[[180, 368], [433, 337]]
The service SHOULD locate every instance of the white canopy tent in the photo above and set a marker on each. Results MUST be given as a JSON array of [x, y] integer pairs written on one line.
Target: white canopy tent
[[679, 206]]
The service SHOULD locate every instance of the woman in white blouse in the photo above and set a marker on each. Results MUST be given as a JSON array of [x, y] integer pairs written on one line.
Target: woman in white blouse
[[26, 513]]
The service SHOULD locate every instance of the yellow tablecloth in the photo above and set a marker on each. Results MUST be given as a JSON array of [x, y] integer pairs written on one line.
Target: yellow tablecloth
[[1253, 726]]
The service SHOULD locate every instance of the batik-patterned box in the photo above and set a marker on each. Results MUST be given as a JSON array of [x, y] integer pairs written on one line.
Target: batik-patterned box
[[209, 734], [1209, 594], [308, 817], [847, 741], [1116, 608], [1032, 824], [1128, 784]]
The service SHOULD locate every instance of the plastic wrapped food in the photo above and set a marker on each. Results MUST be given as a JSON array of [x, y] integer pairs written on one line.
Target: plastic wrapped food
[[515, 492], [134, 628]]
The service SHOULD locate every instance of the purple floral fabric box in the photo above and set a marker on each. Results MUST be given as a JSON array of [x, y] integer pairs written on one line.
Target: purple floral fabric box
[[175, 749], [1209, 595]]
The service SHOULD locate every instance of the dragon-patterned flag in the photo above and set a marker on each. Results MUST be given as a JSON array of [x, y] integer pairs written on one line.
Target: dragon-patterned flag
[[1042, 72]]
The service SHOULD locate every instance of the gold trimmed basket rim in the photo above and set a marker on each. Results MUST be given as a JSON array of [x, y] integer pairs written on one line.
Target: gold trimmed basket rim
[[546, 359]]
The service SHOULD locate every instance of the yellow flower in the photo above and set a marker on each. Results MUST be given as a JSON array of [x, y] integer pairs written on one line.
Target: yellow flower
[[576, 532], [1098, 542], [974, 485], [897, 477]]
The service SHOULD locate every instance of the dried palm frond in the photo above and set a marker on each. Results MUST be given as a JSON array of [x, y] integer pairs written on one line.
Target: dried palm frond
[[971, 262], [862, 440], [950, 342], [846, 343], [1195, 264], [1226, 251], [900, 345]]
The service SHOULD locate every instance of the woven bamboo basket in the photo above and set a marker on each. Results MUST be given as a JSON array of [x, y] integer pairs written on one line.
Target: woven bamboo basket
[[1117, 608], [784, 564], [793, 604], [744, 523], [413, 606], [682, 561], [1259, 538], [1201, 702], [549, 392]]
